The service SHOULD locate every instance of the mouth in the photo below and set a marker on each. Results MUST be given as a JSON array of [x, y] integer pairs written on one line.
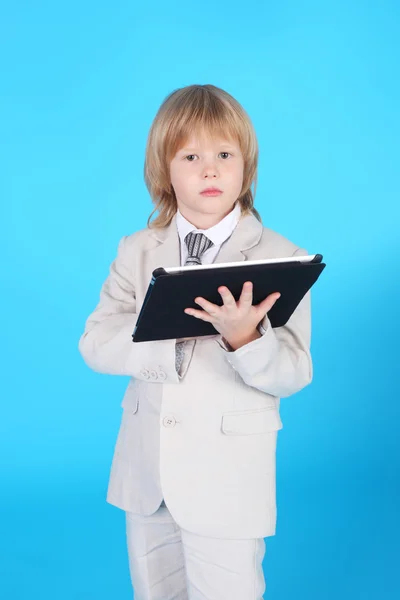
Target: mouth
[[211, 192]]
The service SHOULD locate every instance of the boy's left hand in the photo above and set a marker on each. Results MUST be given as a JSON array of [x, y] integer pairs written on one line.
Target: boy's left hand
[[235, 321]]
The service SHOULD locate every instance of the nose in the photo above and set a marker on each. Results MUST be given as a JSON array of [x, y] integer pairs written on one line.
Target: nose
[[210, 170]]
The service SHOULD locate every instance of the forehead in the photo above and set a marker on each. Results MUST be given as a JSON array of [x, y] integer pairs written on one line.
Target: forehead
[[207, 141]]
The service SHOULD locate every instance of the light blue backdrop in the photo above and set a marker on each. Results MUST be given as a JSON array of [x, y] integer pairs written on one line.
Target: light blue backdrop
[[80, 85]]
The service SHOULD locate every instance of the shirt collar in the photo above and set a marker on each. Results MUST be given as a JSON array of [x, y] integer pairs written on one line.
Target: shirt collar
[[217, 233]]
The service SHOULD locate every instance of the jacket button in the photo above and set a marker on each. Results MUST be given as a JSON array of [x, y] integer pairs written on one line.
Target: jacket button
[[162, 375], [169, 421], [153, 375], [145, 373]]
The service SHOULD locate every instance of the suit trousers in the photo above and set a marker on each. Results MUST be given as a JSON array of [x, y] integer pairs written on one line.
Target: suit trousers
[[167, 562]]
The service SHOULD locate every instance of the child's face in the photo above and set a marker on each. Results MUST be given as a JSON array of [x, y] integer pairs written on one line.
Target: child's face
[[203, 163]]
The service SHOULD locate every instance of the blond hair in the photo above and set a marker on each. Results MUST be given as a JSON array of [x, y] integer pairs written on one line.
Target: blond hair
[[188, 110]]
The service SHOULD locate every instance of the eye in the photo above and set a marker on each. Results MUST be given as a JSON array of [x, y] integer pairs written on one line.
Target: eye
[[189, 156]]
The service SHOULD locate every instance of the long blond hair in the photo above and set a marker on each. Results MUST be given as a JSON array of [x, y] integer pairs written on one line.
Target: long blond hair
[[196, 109]]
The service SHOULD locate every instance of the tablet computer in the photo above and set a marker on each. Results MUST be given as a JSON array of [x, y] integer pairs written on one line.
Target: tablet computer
[[172, 289]]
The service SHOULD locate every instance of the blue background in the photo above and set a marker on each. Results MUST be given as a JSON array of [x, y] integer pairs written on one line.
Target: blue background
[[80, 85]]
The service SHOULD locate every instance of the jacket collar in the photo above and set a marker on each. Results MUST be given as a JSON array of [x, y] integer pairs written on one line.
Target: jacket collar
[[246, 235]]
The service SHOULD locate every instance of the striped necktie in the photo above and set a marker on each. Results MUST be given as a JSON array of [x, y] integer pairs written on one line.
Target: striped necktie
[[197, 244]]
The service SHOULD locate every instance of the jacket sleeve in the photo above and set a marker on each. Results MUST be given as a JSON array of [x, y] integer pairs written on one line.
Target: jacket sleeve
[[279, 362], [106, 344]]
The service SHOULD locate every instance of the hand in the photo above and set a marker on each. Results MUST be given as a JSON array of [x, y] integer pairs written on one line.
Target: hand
[[235, 321]]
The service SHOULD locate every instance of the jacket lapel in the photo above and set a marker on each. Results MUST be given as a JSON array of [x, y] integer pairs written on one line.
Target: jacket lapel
[[166, 249], [245, 236], [162, 250]]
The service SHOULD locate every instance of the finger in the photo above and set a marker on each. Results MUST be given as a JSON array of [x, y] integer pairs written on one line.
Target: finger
[[211, 308], [246, 297], [269, 302], [199, 314], [227, 297]]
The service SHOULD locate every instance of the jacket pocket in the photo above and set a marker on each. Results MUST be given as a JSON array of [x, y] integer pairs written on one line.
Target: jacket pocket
[[250, 422], [130, 401]]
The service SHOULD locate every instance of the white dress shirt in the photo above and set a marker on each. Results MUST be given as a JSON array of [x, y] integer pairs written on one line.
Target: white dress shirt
[[218, 234]]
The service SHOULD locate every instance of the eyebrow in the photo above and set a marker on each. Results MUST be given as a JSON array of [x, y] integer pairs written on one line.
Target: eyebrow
[[226, 144]]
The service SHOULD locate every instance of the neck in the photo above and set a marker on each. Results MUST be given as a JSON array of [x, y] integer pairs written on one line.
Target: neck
[[203, 221]]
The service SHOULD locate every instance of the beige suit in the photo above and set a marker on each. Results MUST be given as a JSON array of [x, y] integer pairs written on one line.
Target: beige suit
[[206, 442]]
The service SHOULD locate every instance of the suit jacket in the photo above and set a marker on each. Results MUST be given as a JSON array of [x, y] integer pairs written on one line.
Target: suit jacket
[[205, 443]]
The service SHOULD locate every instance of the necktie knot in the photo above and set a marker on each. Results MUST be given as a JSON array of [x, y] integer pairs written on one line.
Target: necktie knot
[[197, 244]]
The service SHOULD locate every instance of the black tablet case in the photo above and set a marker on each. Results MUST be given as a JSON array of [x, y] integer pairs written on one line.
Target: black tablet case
[[162, 314]]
